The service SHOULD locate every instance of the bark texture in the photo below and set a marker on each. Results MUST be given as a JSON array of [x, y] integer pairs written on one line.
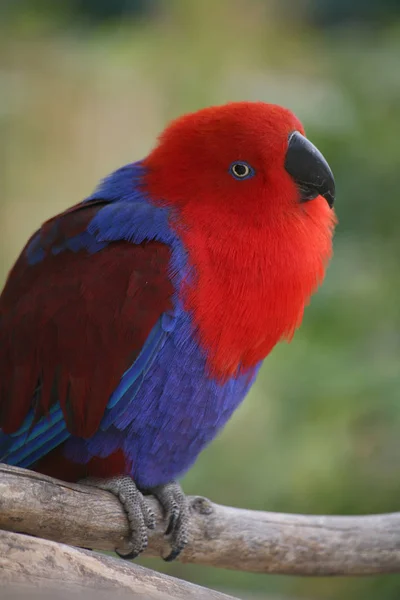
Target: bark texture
[[221, 536]]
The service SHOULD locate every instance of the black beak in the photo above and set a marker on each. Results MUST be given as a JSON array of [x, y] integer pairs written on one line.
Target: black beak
[[309, 169]]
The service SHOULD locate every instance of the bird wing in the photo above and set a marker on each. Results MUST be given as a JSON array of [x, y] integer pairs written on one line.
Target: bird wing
[[80, 324]]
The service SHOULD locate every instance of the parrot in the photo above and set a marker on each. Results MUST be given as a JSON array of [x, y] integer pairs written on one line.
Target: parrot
[[134, 323]]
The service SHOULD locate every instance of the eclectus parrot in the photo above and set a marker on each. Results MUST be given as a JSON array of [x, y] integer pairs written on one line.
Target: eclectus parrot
[[134, 323]]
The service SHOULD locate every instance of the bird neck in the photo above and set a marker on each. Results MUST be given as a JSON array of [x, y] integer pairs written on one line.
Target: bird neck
[[249, 284]]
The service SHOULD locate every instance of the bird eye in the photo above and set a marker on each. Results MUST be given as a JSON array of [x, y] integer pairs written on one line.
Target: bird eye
[[241, 170]]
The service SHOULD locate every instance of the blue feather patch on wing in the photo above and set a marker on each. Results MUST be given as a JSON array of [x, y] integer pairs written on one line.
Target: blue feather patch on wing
[[32, 442], [54, 415], [133, 377], [54, 437]]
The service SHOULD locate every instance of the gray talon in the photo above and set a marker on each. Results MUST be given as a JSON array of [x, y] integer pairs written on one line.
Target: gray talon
[[140, 516], [176, 510]]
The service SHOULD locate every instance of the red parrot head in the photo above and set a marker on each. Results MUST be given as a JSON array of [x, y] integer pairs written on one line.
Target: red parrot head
[[252, 201]]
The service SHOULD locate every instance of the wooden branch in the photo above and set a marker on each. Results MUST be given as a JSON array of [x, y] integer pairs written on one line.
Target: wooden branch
[[35, 563], [221, 536]]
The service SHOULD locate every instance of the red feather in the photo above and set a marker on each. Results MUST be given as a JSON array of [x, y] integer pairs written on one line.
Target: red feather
[[258, 253], [73, 323], [55, 464]]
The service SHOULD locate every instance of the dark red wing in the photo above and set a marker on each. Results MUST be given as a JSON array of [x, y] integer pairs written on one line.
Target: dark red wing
[[74, 320]]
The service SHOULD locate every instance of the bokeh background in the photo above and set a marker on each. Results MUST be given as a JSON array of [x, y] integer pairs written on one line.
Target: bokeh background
[[86, 85]]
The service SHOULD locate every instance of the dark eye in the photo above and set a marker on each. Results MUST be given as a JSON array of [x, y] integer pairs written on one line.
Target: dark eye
[[241, 170]]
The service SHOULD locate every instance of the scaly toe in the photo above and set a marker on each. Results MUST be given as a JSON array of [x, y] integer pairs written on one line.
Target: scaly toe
[[177, 513], [141, 518]]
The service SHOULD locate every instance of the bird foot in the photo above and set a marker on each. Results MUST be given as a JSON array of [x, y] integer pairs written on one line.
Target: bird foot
[[177, 513], [140, 516]]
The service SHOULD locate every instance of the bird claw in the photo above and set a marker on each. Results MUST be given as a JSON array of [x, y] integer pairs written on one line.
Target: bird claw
[[177, 513], [141, 518]]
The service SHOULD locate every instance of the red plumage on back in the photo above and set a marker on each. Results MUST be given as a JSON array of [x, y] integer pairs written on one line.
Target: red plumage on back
[[71, 324]]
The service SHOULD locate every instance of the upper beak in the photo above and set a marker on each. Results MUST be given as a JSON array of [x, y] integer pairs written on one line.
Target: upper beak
[[309, 169]]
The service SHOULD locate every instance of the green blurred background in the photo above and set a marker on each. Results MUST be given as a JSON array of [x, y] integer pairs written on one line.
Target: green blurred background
[[87, 85]]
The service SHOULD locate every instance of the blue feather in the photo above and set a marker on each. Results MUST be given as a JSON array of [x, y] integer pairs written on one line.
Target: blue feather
[[141, 364], [57, 439], [54, 415], [37, 447]]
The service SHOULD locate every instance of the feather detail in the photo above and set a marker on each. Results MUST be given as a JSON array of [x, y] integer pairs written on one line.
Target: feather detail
[[74, 317]]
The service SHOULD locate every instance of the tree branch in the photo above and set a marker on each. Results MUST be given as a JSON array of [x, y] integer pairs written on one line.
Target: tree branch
[[34, 563], [221, 536]]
